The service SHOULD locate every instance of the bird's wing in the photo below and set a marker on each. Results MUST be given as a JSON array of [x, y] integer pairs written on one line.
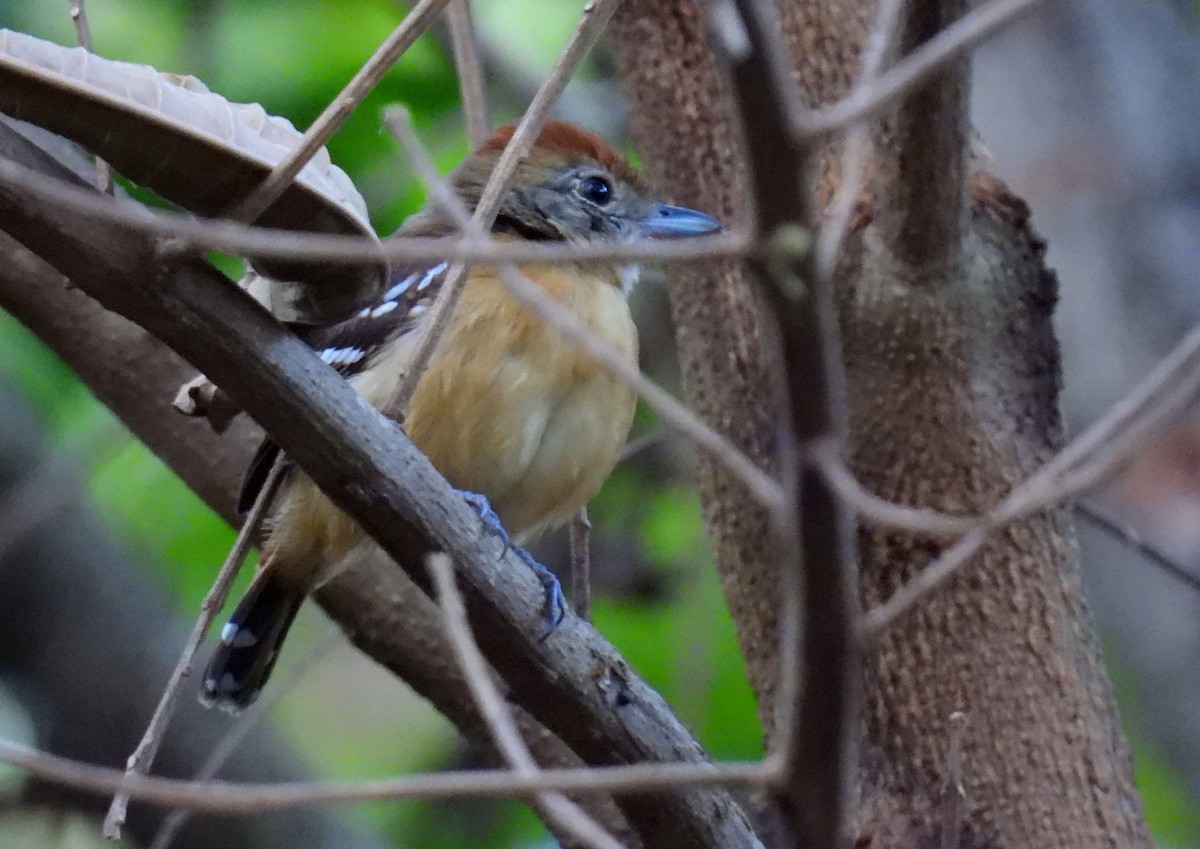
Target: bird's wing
[[349, 346]]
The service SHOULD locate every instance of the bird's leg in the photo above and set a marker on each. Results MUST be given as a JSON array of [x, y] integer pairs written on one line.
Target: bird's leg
[[555, 601]]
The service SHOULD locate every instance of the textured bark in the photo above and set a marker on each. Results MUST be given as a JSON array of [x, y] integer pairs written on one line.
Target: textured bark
[[684, 125], [953, 376], [954, 401]]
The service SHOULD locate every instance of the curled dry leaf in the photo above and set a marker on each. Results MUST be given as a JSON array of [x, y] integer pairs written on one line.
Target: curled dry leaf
[[198, 150]]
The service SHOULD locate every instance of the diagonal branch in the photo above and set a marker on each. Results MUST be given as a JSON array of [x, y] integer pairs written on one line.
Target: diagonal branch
[[575, 683], [558, 811], [469, 70]]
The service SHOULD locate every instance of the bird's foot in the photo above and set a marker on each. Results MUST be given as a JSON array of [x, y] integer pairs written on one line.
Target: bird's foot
[[555, 602]]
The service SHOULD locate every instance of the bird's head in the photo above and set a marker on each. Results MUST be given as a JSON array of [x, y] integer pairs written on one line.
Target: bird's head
[[574, 187]]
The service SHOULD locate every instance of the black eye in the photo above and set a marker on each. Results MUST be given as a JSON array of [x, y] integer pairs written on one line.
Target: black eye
[[596, 189]]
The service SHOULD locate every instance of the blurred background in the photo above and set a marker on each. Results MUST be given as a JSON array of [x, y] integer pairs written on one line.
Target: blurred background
[[1091, 112]]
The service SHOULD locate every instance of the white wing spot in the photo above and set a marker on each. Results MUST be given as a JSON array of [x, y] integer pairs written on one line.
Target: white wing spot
[[384, 308], [228, 633], [400, 288], [430, 275], [342, 356]]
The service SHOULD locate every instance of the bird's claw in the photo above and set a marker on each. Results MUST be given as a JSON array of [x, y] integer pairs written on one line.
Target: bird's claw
[[491, 521], [555, 601]]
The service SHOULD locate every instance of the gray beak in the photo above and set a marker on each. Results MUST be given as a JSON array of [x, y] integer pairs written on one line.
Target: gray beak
[[674, 222]]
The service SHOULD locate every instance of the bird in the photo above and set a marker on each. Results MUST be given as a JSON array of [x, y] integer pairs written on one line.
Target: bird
[[515, 416]]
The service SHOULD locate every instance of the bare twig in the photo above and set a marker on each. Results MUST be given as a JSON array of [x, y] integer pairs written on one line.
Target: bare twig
[[560, 812], [221, 797], [143, 756], [644, 442], [1099, 516], [955, 810], [243, 240], [469, 68], [83, 34], [241, 728], [826, 457], [347, 100], [921, 152], [581, 565], [956, 39], [856, 145], [592, 20]]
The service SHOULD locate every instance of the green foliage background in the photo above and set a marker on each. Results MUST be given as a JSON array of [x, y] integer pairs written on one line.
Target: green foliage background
[[292, 57]]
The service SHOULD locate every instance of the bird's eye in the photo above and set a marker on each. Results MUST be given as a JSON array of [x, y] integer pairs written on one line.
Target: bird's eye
[[596, 189]]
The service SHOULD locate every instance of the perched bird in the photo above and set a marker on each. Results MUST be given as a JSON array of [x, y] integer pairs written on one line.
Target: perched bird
[[508, 409]]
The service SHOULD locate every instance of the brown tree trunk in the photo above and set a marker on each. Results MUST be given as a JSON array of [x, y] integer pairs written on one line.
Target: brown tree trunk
[[994, 683]]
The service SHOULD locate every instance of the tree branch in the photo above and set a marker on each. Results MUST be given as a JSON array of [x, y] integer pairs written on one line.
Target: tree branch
[[575, 682], [922, 150], [817, 714]]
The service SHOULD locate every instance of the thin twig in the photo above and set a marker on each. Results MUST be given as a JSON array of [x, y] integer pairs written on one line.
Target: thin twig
[[856, 145], [592, 20], [646, 441], [1099, 516], [241, 728], [826, 457], [244, 240], [581, 564], [955, 810], [222, 797], [347, 100], [83, 34], [673, 413], [143, 756], [469, 68], [560, 812], [954, 40]]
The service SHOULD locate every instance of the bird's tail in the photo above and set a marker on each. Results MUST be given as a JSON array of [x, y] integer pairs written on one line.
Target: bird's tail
[[250, 642]]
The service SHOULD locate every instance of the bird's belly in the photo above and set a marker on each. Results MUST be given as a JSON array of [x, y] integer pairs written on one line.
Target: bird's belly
[[537, 449], [579, 446], [532, 423]]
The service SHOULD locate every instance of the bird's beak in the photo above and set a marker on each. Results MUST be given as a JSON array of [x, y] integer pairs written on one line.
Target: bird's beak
[[673, 222]]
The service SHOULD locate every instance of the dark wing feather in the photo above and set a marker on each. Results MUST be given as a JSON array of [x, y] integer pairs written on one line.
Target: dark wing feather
[[256, 474], [349, 347]]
